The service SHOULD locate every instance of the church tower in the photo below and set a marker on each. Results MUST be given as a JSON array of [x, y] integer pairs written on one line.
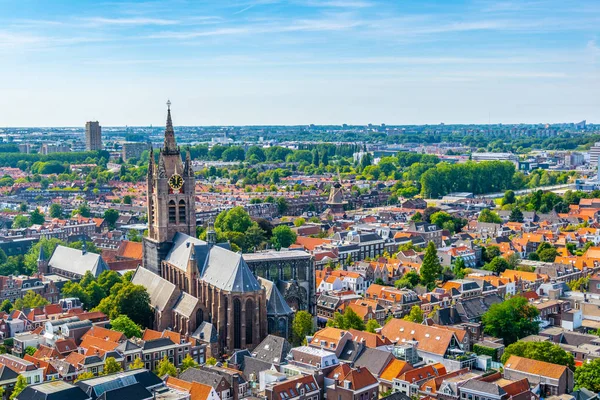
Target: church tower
[[171, 199]]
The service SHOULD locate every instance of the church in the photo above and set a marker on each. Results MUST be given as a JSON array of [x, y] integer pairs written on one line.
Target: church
[[197, 286]]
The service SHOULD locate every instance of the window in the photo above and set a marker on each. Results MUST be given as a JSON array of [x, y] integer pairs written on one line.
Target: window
[[37, 379]]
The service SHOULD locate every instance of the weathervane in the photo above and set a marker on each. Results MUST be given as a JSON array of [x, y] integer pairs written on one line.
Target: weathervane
[[169, 104]]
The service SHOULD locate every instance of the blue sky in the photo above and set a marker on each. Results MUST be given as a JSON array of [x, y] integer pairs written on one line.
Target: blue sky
[[298, 61]]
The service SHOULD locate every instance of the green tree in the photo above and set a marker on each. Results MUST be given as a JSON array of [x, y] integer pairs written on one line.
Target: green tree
[[302, 326], [588, 376], [509, 198], [372, 325], [36, 217], [417, 217], [134, 301], [20, 221], [20, 385], [548, 255], [111, 366], [515, 215], [542, 351], [498, 265], [124, 324], [459, 268], [415, 315], [282, 205], [253, 238], [108, 279], [6, 306], [84, 376], [188, 362], [348, 320], [137, 364], [95, 293], [299, 221], [56, 210], [283, 236], [32, 300], [431, 268], [111, 216], [30, 350], [74, 289], [511, 320], [235, 219], [165, 367], [211, 361], [409, 280], [489, 216]]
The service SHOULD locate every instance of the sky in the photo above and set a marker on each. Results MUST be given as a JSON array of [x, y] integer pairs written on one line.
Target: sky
[[295, 62]]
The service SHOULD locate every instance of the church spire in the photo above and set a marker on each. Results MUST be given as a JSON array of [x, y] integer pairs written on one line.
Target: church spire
[[170, 145]]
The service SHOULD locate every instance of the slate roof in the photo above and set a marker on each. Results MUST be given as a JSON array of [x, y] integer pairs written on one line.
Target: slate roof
[[7, 374], [253, 366], [374, 360], [75, 261], [156, 343], [276, 304], [159, 289], [483, 387], [206, 332], [201, 376], [137, 391], [396, 396], [217, 265], [186, 305], [273, 349], [127, 345]]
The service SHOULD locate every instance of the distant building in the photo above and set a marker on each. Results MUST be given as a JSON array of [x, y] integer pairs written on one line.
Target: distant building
[[133, 150], [54, 148], [25, 148], [594, 153], [494, 157], [93, 136], [574, 160]]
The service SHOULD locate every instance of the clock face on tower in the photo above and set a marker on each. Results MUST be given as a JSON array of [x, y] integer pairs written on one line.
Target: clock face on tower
[[176, 182]]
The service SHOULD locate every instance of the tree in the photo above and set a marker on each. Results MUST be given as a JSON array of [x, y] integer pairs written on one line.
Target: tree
[[235, 219], [137, 364], [188, 362], [372, 326], [31, 300], [299, 221], [515, 215], [431, 268], [548, 255], [542, 351], [21, 221], [6, 306], [211, 361], [20, 385], [36, 217], [84, 375], [588, 376], [73, 289], [497, 265], [415, 315], [489, 216], [253, 238], [165, 367], [111, 216], [491, 252], [108, 279], [283, 236], [124, 324], [134, 301], [348, 320], [416, 217], [511, 320], [30, 350], [111, 366], [302, 326], [409, 280], [509, 198], [55, 211], [282, 205], [459, 268], [95, 293]]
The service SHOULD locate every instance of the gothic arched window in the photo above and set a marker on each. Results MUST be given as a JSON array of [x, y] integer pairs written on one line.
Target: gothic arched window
[[182, 211], [249, 320], [237, 323], [172, 211]]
